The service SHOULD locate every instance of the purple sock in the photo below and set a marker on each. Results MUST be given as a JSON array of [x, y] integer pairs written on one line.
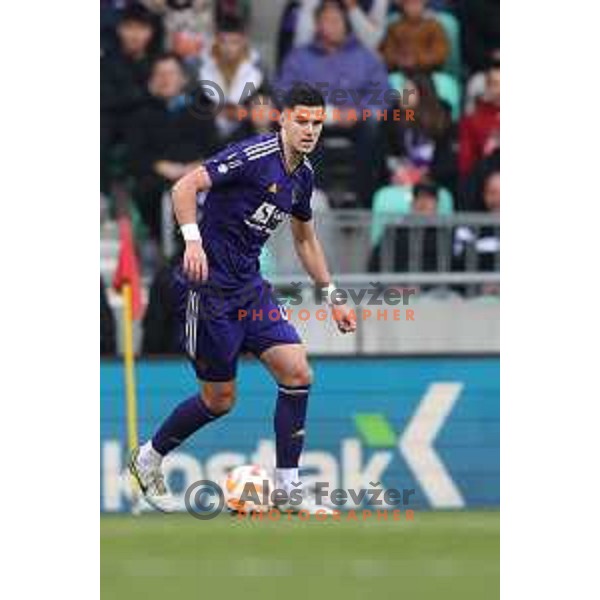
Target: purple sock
[[290, 416], [187, 418]]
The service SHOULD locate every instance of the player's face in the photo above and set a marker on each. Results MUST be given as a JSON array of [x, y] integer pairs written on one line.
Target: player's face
[[303, 127]]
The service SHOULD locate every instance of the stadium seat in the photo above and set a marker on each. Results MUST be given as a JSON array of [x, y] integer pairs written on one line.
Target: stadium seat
[[392, 199], [267, 263], [449, 90], [446, 86], [452, 28], [396, 200], [445, 202], [338, 175]]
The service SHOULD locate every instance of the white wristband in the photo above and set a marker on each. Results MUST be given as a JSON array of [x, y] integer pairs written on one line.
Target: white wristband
[[190, 232], [328, 291]]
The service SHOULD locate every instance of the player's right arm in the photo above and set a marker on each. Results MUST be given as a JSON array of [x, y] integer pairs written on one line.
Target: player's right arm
[[231, 165], [184, 193]]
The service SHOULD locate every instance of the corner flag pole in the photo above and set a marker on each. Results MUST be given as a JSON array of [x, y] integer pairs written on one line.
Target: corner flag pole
[[127, 281], [129, 363]]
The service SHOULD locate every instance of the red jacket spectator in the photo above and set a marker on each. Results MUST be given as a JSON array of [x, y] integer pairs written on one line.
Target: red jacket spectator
[[479, 135], [479, 132]]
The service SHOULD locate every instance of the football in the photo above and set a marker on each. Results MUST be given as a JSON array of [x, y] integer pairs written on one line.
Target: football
[[247, 489]]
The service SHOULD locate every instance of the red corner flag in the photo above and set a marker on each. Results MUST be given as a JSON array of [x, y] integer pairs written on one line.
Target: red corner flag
[[128, 270]]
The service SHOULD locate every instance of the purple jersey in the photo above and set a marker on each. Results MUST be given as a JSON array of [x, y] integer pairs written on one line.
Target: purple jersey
[[251, 195]]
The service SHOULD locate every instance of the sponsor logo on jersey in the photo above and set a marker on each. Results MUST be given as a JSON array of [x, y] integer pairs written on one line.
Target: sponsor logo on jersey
[[266, 218]]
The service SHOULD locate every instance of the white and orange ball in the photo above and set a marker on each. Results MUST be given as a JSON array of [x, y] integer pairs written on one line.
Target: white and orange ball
[[246, 484]]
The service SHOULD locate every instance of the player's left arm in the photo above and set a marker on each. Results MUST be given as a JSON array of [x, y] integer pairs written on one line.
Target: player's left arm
[[311, 255]]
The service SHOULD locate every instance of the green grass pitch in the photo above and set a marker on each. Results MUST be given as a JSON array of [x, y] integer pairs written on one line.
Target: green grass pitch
[[445, 555]]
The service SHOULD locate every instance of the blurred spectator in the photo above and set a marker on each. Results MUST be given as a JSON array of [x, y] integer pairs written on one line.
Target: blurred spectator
[[239, 10], [415, 42], [411, 249], [479, 248], [124, 80], [476, 88], [471, 189], [108, 340], [350, 73], [287, 28], [167, 140], [336, 59], [479, 132], [480, 23], [447, 5], [233, 65], [110, 15], [262, 113], [188, 24], [160, 325], [424, 147], [491, 192], [367, 18]]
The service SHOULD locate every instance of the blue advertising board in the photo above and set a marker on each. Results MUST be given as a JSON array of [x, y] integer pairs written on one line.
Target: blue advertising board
[[428, 424]]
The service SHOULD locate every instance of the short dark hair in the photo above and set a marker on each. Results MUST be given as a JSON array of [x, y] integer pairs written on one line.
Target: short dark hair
[[426, 187], [263, 90], [338, 4], [493, 65], [231, 24], [326, 3], [168, 56], [137, 14], [303, 94]]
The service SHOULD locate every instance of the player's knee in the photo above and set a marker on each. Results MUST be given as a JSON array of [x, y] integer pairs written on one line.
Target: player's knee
[[219, 399], [300, 375]]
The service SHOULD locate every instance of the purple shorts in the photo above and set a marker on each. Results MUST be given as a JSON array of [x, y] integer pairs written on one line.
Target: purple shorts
[[218, 325]]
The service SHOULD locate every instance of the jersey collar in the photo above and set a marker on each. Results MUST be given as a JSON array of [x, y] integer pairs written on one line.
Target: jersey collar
[[282, 158]]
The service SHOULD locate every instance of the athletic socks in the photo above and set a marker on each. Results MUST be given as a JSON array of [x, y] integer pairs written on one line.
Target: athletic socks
[[186, 419], [148, 457], [193, 414], [284, 479], [290, 416]]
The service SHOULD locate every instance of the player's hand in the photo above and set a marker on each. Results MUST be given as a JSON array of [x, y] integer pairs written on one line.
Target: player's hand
[[195, 265], [344, 318]]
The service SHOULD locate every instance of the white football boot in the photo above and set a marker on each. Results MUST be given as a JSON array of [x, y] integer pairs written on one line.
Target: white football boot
[[147, 471], [288, 479], [308, 505]]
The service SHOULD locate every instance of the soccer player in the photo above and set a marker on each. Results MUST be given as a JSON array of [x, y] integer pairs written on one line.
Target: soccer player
[[250, 189]]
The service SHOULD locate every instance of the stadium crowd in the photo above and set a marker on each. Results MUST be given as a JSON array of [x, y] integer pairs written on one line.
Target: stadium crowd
[[440, 56]]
